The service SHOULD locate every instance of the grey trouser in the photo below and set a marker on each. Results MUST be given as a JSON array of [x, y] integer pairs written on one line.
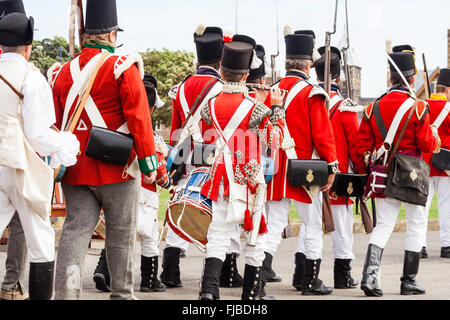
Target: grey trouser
[[16, 255], [83, 203]]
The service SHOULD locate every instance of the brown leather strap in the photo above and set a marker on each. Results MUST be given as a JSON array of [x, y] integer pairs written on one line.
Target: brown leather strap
[[19, 94], [79, 109], [400, 137]]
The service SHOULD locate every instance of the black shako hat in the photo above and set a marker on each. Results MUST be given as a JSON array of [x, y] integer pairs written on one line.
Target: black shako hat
[[237, 55], [10, 6], [101, 17], [335, 63], [444, 77], [261, 70], [299, 44], [209, 44], [16, 30], [404, 61]]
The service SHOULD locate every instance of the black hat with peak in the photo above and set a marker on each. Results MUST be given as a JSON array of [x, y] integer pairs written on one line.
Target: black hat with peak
[[101, 17], [444, 77], [261, 70], [335, 63], [209, 44], [237, 55], [10, 6], [404, 61], [16, 29]]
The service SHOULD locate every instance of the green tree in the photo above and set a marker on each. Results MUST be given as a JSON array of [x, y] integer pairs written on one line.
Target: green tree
[[48, 51], [169, 68]]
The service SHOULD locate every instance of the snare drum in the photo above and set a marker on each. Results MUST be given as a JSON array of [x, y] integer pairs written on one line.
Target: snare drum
[[189, 213], [100, 229]]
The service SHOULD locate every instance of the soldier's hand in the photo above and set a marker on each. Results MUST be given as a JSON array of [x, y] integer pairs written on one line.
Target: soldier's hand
[[150, 177], [276, 97], [327, 187]]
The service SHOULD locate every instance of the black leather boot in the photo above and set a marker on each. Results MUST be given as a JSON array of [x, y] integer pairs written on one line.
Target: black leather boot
[[445, 252], [424, 253], [342, 276], [370, 283], [149, 275], [269, 274], [253, 287], [170, 275], [41, 280], [101, 274], [210, 279], [299, 271], [312, 285], [229, 276], [410, 269]]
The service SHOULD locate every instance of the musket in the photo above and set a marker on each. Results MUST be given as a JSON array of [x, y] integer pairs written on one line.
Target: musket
[[426, 78], [76, 10], [273, 56], [349, 87], [327, 75]]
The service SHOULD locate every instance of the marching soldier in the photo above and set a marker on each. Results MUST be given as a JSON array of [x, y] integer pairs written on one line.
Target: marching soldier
[[418, 138], [25, 135], [187, 98], [439, 177], [310, 136], [236, 183], [117, 101], [344, 120]]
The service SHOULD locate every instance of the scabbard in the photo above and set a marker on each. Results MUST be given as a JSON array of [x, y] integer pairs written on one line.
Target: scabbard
[[327, 214]]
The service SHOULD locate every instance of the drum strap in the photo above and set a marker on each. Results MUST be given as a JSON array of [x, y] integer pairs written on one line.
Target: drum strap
[[441, 117]]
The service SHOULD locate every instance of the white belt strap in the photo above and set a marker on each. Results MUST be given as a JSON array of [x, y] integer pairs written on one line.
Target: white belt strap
[[395, 124], [335, 100], [441, 117], [192, 126], [288, 144], [183, 101]]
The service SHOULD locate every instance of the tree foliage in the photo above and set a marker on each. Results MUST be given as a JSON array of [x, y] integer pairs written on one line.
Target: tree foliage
[[169, 68], [48, 51]]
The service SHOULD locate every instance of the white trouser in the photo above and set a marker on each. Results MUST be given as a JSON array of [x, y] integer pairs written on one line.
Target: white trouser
[[416, 224], [147, 223], [310, 241], [343, 234], [220, 233], [39, 234], [442, 186]]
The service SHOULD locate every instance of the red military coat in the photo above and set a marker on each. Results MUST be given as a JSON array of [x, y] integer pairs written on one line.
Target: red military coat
[[344, 120], [310, 127], [436, 104], [418, 135], [191, 87], [257, 127], [120, 97]]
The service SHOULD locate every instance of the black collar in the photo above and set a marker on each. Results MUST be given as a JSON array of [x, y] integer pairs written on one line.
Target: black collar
[[297, 73], [208, 71], [400, 87]]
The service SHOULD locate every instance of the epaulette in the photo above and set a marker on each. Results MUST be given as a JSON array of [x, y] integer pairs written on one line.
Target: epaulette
[[422, 109], [123, 63], [53, 72], [206, 112], [369, 108], [348, 105], [160, 145], [259, 112], [174, 90], [316, 90]]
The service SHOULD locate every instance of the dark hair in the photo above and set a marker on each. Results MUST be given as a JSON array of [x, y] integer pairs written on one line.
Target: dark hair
[[151, 93], [215, 65], [232, 77], [257, 80], [440, 88], [298, 64], [396, 79]]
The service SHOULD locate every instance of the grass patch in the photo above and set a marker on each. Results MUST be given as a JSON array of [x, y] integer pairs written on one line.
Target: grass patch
[[293, 216]]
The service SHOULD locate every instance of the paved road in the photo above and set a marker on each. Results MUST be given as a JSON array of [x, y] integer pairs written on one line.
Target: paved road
[[434, 273]]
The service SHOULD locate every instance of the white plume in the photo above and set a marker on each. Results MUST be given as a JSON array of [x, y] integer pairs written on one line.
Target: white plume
[[288, 30], [200, 29]]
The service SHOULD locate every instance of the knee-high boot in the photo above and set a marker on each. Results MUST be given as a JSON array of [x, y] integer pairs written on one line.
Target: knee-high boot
[[410, 269], [370, 282]]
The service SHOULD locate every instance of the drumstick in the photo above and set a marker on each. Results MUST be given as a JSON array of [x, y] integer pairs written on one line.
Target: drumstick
[[165, 220], [171, 176]]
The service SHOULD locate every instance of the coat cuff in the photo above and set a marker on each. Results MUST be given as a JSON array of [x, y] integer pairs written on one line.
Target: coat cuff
[[148, 164]]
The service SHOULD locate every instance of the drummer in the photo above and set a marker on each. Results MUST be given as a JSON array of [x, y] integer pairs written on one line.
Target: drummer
[[236, 171], [147, 218]]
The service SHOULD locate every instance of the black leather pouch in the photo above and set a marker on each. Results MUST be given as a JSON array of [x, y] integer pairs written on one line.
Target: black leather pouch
[[408, 180], [441, 160], [307, 172], [203, 154], [349, 184], [109, 145]]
